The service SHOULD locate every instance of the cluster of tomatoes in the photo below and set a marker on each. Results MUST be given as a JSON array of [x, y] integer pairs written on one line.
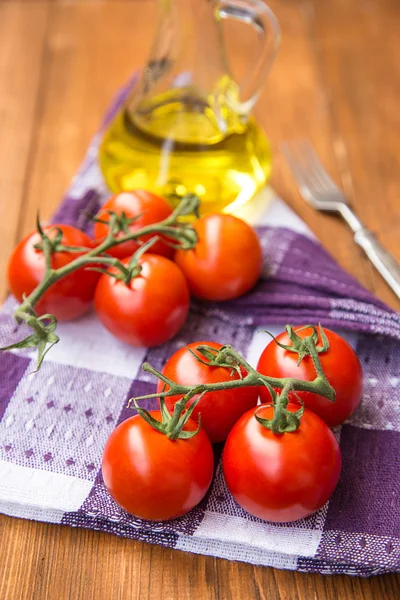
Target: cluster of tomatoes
[[148, 469], [278, 477], [152, 307]]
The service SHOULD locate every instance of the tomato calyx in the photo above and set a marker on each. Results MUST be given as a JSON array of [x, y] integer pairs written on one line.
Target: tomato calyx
[[283, 421], [176, 234], [51, 244], [120, 221], [172, 425], [189, 205], [306, 346], [133, 269], [221, 357]]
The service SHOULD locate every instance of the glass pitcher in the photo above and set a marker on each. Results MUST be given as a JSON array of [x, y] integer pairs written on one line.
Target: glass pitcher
[[187, 125]]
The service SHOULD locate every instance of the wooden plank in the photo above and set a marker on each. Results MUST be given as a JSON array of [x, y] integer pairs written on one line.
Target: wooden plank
[[22, 32], [88, 565], [336, 82], [360, 66], [295, 104], [92, 49]]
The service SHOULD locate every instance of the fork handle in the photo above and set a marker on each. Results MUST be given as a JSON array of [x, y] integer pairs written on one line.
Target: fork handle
[[384, 262]]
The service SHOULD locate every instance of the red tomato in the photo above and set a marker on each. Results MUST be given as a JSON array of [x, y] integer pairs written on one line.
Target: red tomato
[[219, 410], [281, 477], [152, 476], [340, 364], [70, 297], [226, 261], [151, 309], [154, 209]]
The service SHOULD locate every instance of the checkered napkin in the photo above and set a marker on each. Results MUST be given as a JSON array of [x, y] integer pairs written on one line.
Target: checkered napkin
[[54, 424]]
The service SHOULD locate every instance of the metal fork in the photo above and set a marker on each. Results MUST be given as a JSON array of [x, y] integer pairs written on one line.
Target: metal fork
[[318, 189]]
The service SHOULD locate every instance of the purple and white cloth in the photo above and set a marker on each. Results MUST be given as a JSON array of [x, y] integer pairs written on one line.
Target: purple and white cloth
[[54, 423]]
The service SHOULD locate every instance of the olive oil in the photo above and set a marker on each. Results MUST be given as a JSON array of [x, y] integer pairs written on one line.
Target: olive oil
[[177, 144]]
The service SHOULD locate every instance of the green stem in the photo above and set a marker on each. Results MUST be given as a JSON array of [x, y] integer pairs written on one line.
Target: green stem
[[283, 421], [319, 385], [178, 409], [280, 404], [251, 380], [47, 252]]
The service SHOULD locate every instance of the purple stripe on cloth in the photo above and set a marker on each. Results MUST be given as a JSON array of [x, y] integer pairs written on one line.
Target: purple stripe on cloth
[[281, 315], [360, 549], [61, 418], [75, 212], [138, 388], [323, 567], [306, 261], [12, 368], [152, 534], [368, 493]]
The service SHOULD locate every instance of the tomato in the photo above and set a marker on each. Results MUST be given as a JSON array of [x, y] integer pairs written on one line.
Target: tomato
[[152, 476], [154, 209], [340, 364], [281, 477], [70, 297], [219, 410], [226, 261], [150, 309]]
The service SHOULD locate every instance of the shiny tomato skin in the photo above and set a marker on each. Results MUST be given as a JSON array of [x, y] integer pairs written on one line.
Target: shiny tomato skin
[[153, 477], [340, 364], [226, 261], [69, 298], [219, 410], [151, 309], [154, 209], [281, 477]]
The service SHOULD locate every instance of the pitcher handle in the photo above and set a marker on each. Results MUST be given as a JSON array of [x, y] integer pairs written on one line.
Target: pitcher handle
[[257, 14]]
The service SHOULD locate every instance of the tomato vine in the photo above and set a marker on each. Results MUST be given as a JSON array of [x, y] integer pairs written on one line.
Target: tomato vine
[[43, 337], [283, 420]]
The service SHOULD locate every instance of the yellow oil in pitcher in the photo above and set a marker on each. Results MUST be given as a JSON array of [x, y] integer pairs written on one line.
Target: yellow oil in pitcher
[[175, 144], [187, 125]]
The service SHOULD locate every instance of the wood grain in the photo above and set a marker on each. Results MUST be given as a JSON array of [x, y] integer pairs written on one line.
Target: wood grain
[[339, 86], [74, 564], [91, 50], [22, 37], [362, 76], [336, 81]]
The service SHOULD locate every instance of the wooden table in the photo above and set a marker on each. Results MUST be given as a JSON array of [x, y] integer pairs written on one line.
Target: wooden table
[[337, 81]]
